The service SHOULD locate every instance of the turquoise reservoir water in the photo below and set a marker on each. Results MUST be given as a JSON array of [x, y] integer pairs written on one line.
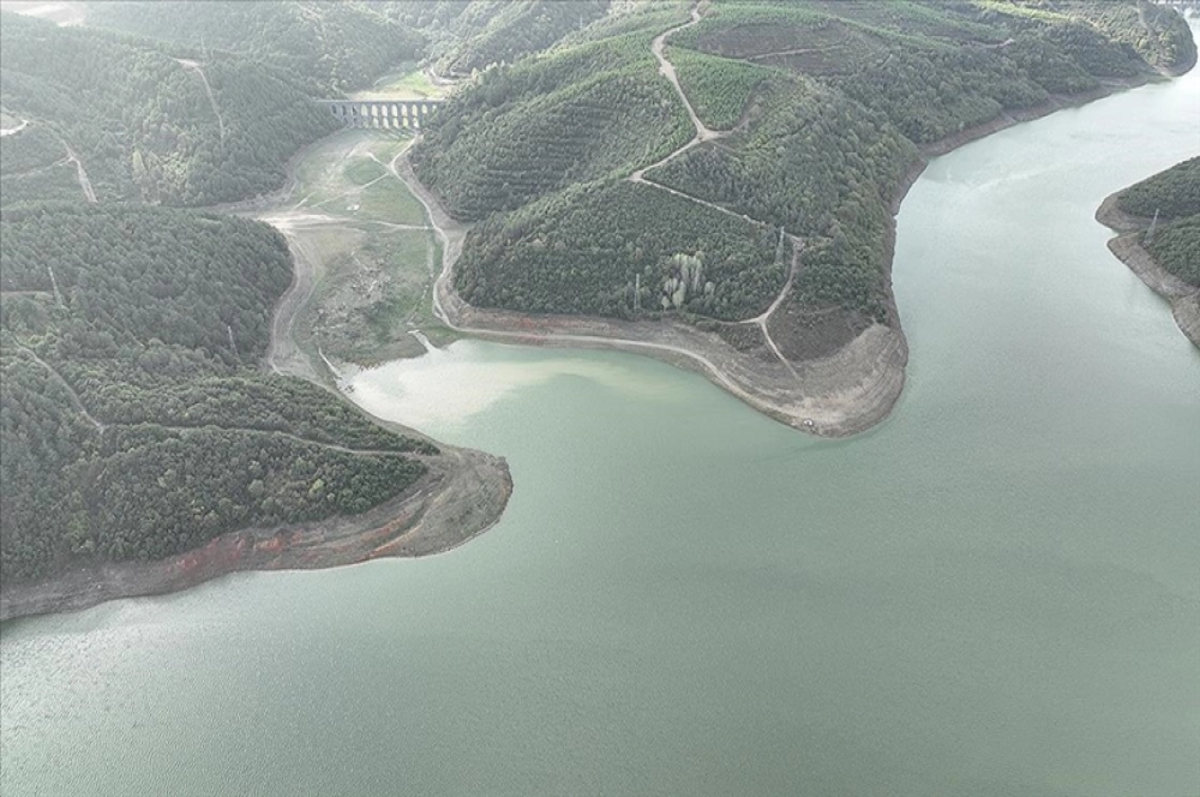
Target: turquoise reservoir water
[[995, 592]]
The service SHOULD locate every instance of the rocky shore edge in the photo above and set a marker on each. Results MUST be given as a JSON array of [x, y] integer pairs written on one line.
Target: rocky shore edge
[[462, 495], [1183, 298]]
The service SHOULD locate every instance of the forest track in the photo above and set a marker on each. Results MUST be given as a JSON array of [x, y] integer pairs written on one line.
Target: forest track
[[667, 70], [704, 134], [84, 182], [763, 319], [76, 402], [12, 131], [27, 293], [195, 66]]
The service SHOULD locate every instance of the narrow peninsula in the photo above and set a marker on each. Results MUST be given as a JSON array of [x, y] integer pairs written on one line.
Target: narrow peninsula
[[1159, 222]]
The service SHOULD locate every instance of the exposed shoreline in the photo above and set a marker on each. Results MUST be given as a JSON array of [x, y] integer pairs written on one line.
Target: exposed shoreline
[[836, 396], [461, 496], [1183, 298]]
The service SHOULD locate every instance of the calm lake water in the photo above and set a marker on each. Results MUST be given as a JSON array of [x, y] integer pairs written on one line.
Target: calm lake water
[[995, 592]]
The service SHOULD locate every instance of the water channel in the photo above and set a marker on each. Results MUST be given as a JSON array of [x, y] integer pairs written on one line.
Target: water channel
[[995, 592]]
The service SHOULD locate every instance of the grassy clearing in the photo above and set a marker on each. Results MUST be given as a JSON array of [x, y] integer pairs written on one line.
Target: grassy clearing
[[388, 200], [361, 171], [406, 83], [373, 282], [348, 178]]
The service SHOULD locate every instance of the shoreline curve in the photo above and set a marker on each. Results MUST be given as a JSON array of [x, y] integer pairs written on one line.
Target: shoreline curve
[[463, 495], [1183, 298], [836, 396]]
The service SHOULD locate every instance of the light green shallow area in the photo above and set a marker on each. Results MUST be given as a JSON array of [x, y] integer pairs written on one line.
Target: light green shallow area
[[995, 592]]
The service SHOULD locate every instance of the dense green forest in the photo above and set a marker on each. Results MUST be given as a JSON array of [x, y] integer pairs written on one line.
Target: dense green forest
[[625, 236], [494, 31], [337, 47], [333, 47], [593, 111], [1172, 194], [1176, 247], [134, 418], [826, 103], [147, 123]]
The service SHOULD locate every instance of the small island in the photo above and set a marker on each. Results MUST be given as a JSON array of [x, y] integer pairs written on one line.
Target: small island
[[1159, 222]]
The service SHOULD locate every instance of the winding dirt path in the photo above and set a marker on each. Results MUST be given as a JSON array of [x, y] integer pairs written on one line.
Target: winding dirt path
[[76, 402], [195, 66], [667, 69], [762, 319], [703, 134], [12, 131], [26, 293], [84, 182], [366, 452]]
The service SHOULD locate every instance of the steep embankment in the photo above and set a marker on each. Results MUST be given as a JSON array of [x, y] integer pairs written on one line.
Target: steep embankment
[[680, 252], [1159, 219]]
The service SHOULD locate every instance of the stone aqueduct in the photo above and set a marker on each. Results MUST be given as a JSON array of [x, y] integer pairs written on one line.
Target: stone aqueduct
[[387, 114]]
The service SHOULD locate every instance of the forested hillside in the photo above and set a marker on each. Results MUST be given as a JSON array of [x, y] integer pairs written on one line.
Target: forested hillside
[[1176, 247], [332, 47], [1174, 195], [825, 105], [593, 111], [125, 119], [134, 418], [487, 32]]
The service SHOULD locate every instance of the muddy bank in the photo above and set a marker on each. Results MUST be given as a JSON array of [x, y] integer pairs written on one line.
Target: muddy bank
[[1184, 298], [462, 496]]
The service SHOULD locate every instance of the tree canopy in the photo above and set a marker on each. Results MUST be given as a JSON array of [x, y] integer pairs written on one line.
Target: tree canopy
[[134, 417], [826, 105], [147, 121]]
